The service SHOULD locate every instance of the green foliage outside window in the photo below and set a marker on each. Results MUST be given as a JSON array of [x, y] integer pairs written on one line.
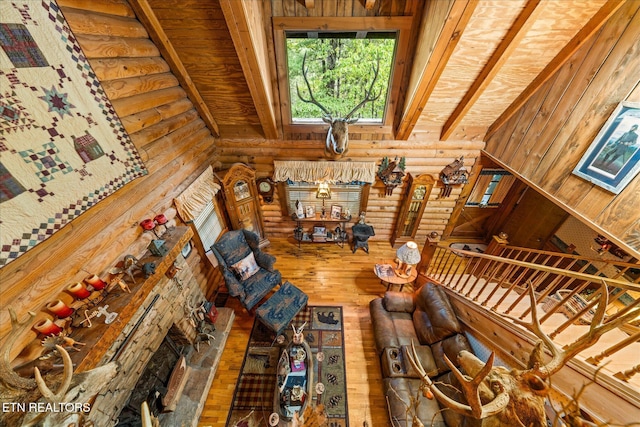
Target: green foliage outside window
[[340, 71]]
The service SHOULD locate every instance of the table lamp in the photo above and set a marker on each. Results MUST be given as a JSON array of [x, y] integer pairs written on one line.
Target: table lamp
[[407, 256], [324, 192]]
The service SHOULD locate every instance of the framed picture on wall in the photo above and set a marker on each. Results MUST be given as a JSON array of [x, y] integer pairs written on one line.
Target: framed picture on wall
[[613, 158]]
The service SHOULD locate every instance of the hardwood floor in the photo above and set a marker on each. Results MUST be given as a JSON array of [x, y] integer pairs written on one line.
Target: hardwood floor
[[329, 275]]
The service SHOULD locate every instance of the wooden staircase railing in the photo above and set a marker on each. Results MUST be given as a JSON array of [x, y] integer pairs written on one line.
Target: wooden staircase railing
[[565, 286]]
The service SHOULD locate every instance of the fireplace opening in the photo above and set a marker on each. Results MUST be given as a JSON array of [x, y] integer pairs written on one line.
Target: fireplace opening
[[152, 384]]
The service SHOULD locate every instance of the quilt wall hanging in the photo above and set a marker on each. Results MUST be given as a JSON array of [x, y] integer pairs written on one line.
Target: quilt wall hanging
[[62, 146]]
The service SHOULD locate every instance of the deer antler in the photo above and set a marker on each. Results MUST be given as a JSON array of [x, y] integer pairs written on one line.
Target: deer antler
[[368, 97], [66, 381], [475, 408], [8, 375], [311, 99], [596, 330]]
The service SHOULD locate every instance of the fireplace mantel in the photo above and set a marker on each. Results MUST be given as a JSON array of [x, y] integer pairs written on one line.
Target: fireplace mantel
[[102, 339]]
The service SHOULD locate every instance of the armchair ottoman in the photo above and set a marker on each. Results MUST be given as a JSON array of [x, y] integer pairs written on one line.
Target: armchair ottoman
[[278, 311]]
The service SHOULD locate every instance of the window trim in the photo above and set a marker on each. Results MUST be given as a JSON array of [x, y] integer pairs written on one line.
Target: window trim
[[401, 24]]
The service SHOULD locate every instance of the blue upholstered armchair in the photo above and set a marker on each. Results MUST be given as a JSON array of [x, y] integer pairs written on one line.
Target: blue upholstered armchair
[[248, 272]]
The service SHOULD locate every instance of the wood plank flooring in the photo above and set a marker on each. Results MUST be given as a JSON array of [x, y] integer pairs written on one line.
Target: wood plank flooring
[[329, 275]]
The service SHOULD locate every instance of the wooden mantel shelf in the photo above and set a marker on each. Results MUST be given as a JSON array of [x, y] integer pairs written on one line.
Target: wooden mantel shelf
[[100, 338]]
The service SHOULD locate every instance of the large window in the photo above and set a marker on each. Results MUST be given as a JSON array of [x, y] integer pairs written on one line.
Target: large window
[[208, 225], [339, 71], [490, 188], [347, 196], [341, 54]]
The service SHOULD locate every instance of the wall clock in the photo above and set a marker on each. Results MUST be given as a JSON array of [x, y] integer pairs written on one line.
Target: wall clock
[[265, 189]]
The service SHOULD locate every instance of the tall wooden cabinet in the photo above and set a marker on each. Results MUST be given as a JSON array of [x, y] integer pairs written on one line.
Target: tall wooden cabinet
[[414, 201], [241, 199]]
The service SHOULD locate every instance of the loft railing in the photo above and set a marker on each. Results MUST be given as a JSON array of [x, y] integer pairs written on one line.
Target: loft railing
[[566, 293]]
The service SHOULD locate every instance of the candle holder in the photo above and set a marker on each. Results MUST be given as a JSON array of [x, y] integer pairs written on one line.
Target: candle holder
[[79, 290], [161, 220], [60, 309], [96, 283], [149, 225], [47, 327]]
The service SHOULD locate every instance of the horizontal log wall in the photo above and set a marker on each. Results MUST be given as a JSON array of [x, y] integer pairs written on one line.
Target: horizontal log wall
[[423, 154], [174, 144], [546, 139]]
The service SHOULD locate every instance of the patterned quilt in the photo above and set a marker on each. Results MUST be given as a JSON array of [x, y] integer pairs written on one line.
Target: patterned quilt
[[62, 146]]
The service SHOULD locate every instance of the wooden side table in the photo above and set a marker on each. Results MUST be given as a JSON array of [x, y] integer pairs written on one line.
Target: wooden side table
[[385, 272]]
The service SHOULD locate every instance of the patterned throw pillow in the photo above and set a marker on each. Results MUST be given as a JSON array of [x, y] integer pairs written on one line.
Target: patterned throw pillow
[[246, 267]]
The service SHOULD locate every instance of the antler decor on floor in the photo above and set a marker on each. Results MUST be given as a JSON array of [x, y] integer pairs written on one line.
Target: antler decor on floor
[[517, 396]]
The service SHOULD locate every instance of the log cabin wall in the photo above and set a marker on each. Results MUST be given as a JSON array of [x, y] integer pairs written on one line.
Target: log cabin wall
[[172, 138], [545, 139], [424, 153]]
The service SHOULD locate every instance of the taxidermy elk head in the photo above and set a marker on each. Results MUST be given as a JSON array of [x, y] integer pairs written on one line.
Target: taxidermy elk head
[[502, 397], [337, 142]]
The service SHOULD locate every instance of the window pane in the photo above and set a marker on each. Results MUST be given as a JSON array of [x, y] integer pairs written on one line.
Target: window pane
[[345, 195], [208, 225], [340, 70]]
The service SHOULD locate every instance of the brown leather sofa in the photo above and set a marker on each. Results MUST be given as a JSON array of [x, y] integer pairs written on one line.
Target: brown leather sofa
[[425, 317]]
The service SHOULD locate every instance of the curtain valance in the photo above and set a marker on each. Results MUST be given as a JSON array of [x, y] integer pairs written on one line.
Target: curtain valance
[[334, 172], [191, 202]]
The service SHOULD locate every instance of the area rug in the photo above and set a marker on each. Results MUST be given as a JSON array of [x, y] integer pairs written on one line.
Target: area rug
[[253, 397], [63, 148]]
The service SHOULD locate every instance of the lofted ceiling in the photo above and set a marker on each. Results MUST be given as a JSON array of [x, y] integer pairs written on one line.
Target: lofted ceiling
[[471, 64]]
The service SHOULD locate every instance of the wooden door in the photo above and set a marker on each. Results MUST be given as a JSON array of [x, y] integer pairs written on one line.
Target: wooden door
[[533, 220]]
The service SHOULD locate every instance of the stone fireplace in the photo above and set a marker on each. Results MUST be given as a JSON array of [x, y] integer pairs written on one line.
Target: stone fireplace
[[157, 314]]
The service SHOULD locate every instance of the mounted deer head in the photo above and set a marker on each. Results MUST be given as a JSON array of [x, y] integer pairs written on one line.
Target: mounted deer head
[[516, 397], [337, 142]]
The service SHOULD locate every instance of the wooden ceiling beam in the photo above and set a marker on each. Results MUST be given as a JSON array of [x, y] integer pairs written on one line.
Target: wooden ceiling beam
[[145, 14], [247, 33], [457, 20], [509, 43], [594, 24]]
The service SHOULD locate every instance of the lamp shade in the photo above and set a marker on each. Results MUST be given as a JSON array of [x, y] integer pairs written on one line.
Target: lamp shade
[[324, 192], [409, 253]]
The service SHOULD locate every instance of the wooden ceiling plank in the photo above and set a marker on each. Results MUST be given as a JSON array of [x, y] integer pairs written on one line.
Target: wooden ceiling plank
[[511, 41], [249, 52], [458, 18], [369, 4], [309, 4], [594, 24], [148, 18]]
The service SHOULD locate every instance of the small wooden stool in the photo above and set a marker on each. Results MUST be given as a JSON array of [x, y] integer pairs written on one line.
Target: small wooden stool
[[278, 311]]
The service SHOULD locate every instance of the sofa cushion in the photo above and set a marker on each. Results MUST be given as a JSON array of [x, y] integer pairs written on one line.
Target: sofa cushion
[[259, 285], [400, 392], [246, 267], [390, 329], [425, 357], [398, 301], [434, 318], [452, 347]]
